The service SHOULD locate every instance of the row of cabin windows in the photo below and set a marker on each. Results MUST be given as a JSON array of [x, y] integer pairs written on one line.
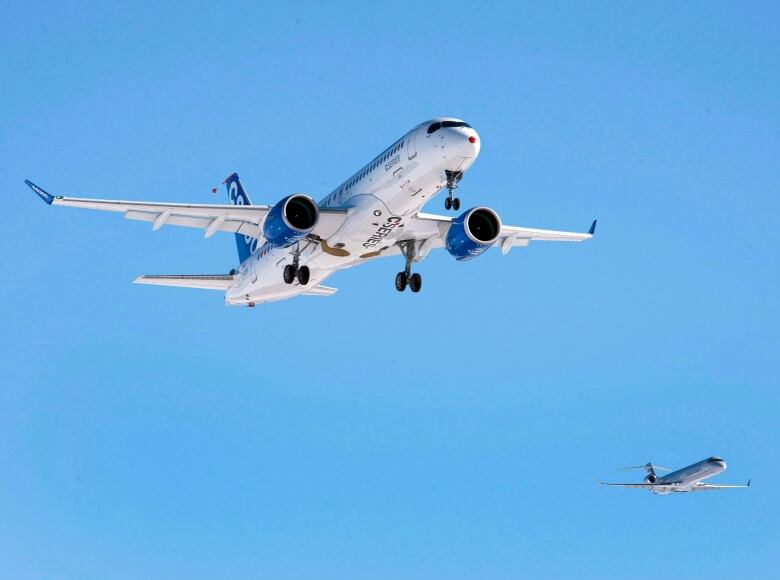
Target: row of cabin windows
[[439, 124], [390, 152]]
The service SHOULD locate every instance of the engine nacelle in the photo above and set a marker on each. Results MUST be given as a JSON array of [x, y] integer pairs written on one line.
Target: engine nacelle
[[290, 220], [473, 232], [651, 479]]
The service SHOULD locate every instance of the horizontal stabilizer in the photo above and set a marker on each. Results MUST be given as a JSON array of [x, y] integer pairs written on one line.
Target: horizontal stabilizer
[[320, 291], [202, 282]]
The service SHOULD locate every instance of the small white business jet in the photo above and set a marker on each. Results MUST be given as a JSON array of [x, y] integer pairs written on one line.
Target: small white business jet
[[291, 247], [683, 480]]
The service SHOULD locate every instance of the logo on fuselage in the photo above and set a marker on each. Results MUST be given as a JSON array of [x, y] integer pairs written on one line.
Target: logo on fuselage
[[394, 161], [382, 232], [239, 198]]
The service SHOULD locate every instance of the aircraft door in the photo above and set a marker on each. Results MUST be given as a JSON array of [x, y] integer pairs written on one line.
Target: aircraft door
[[411, 145]]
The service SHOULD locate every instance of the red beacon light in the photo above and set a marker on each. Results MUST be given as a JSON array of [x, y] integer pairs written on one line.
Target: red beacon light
[[472, 139]]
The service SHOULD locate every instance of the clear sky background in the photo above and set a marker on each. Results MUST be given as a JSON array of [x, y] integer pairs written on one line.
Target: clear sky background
[[153, 432]]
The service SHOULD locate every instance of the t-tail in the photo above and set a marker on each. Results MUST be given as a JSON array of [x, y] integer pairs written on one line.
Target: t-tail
[[237, 196]]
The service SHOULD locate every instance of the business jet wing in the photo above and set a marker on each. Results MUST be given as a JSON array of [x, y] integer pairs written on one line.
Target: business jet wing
[[201, 282], [431, 231], [638, 485], [712, 486], [242, 219]]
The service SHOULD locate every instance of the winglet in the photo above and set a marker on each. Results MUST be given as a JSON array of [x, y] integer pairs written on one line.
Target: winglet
[[748, 484], [45, 196], [592, 229]]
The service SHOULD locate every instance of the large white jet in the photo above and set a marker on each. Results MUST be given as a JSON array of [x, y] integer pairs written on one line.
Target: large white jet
[[683, 480], [291, 247]]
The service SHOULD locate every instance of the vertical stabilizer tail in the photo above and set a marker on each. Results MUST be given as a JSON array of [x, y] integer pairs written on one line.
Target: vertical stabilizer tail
[[237, 196]]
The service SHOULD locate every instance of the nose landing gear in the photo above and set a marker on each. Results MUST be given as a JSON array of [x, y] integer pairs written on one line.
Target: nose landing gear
[[402, 279], [453, 178]]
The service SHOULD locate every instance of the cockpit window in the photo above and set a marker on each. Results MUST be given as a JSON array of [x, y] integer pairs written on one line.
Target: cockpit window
[[439, 124]]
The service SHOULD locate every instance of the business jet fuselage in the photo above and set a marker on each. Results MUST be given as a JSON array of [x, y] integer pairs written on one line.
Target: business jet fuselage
[[683, 480]]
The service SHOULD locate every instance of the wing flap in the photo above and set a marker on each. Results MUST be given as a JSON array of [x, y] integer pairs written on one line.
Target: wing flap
[[227, 223], [321, 291]]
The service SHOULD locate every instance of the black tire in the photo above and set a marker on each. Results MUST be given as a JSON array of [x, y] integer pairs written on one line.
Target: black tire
[[400, 281], [289, 274], [415, 282], [456, 204], [303, 275], [447, 203]]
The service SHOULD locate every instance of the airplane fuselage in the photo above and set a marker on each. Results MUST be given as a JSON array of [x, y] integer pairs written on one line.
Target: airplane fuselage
[[686, 478], [381, 197]]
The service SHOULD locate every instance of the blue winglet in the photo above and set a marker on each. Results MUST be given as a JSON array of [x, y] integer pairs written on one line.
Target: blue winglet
[[44, 195], [592, 229]]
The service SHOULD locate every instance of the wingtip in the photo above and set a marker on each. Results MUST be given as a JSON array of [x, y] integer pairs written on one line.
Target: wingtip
[[40, 192], [592, 229], [748, 483]]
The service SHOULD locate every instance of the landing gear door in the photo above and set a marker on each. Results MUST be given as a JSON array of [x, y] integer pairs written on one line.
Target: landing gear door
[[411, 146]]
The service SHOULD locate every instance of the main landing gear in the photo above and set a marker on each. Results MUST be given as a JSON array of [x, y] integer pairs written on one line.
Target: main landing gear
[[293, 271], [402, 279], [453, 178]]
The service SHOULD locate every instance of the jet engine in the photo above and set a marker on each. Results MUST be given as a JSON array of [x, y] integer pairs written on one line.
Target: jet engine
[[473, 232], [290, 220], [651, 478]]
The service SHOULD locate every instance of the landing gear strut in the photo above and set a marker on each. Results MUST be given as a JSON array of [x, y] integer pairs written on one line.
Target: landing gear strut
[[453, 178], [402, 279], [293, 271]]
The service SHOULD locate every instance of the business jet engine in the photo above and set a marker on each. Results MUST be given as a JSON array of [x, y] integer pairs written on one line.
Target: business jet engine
[[290, 220], [651, 478], [473, 232]]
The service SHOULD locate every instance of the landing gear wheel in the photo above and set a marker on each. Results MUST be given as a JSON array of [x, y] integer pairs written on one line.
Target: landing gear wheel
[[303, 275], [288, 274], [400, 281], [456, 203], [415, 282], [448, 203]]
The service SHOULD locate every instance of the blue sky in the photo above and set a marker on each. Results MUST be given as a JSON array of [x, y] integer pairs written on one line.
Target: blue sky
[[152, 432]]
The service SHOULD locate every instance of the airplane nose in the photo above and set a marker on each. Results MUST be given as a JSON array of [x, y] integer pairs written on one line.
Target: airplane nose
[[468, 142]]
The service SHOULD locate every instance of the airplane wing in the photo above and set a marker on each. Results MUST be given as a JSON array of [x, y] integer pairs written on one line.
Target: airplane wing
[[712, 486], [431, 231], [636, 485], [242, 219], [202, 282]]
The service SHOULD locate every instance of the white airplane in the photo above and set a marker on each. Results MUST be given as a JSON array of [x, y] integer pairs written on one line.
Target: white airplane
[[291, 247], [683, 480]]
